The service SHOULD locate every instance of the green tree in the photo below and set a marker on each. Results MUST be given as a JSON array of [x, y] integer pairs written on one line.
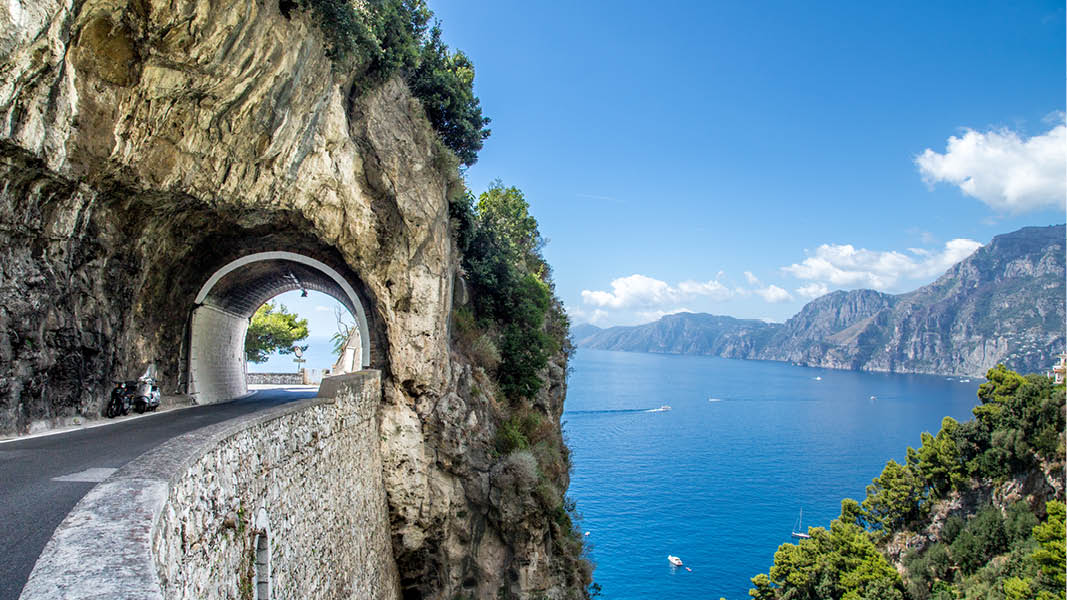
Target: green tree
[[1001, 384], [444, 84], [842, 563], [525, 345], [374, 40], [273, 329], [505, 211], [938, 461], [983, 538], [894, 498], [1050, 557], [762, 588], [510, 286]]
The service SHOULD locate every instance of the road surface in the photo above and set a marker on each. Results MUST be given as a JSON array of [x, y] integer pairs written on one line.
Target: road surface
[[33, 502]]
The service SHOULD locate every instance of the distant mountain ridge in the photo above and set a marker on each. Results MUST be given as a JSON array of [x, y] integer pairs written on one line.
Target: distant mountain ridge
[[1003, 304]]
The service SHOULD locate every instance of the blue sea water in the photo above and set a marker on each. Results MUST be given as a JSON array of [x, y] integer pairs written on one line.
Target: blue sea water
[[720, 478]]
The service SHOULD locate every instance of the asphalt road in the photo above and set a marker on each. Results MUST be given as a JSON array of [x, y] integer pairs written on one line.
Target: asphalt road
[[32, 503]]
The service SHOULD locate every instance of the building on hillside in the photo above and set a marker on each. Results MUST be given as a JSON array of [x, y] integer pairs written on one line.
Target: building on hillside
[[1059, 370]]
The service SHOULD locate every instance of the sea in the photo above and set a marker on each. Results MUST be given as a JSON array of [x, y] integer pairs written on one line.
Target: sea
[[720, 479]]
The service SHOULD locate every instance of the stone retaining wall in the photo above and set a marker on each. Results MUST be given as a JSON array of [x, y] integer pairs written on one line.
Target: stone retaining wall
[[275, 378], [302, 482]]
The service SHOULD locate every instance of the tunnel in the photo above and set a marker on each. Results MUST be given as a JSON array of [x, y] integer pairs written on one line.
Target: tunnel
[[215, 361]]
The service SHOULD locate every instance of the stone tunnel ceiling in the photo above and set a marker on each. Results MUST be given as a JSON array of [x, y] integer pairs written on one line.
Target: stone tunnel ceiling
[[244, 290]]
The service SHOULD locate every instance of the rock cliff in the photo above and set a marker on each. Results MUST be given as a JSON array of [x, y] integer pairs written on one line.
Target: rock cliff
[[143, 144], [682, 333], [1003, 304]]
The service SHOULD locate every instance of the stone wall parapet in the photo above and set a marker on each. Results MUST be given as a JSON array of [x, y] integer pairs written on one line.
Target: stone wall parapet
[[181, 520]]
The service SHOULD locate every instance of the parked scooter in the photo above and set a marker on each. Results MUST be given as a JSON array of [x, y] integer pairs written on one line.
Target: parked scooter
[[121, 399], [147, 396]]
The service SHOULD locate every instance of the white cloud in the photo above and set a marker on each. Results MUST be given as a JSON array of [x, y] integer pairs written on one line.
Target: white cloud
[[1002, 169], [635, 291], [322, 308], [844, 265], [639, 291], [773, 294], [752, 279], [712, 289], [597, 317], [813, 290]]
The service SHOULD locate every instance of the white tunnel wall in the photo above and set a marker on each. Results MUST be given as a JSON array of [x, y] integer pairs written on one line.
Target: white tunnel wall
[[216, 355]]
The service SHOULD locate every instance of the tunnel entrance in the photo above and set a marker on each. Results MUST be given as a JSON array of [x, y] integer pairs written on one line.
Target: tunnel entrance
[[226, 302]]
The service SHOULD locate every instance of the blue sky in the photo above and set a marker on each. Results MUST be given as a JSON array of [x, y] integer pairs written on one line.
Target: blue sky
[[738, 158]]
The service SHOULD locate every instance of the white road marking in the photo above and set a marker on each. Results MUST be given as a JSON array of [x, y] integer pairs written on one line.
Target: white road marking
[[93, 475]]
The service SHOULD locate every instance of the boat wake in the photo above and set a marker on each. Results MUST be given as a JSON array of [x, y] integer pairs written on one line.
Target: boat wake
[[610, 411]]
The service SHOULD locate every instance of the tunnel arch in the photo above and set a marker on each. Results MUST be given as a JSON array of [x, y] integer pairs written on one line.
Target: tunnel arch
[[226, 301]]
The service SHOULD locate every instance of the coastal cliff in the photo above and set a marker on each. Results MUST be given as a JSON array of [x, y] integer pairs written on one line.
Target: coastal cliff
[[144, 144], [1003, 304]]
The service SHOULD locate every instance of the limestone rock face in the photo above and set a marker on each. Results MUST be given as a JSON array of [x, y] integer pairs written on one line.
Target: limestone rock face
[[1003, 304], [146, 143]]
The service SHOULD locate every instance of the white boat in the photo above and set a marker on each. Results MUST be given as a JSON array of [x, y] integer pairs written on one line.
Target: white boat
[[798, 529], [663, 408], [818, 378], [674, 560]]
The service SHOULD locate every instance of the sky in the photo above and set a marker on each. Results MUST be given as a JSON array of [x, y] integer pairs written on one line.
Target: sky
[[320, 311], [741, 158]]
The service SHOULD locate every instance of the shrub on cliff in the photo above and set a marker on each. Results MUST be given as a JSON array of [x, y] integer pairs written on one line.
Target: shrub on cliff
[[993, 553], [512, 309], [384, 38], [510, 286]]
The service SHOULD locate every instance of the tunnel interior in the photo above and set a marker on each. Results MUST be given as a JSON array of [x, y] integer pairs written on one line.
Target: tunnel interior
[[219, 321]]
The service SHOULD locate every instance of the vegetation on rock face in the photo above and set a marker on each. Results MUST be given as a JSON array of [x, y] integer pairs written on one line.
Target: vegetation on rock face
[[273, 329], [1001, 552], [386, 38], [515, 329], [511, 291]]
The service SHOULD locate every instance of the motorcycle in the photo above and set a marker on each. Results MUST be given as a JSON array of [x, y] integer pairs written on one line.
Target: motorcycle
[[121, 399], [147, 395]]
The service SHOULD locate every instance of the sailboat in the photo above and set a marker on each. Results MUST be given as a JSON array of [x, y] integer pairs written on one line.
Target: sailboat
[[798, 528]]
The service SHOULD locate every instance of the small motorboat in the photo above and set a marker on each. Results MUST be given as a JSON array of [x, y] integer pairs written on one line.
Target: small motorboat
[[663, 408], [674, 560]]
